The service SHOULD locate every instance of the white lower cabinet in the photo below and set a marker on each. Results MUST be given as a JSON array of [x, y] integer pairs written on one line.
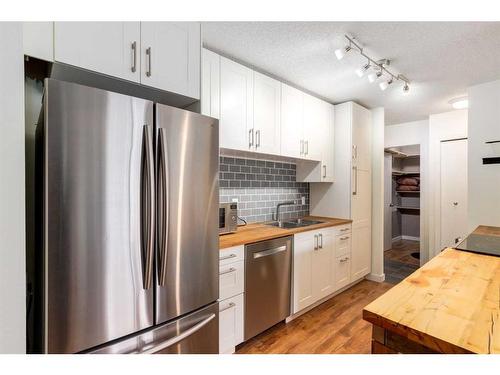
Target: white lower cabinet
[[231, 323], [321, 264], [231, 298]]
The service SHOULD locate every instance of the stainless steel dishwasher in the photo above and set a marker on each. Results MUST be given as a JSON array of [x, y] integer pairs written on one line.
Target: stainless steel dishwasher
[[267, 284]]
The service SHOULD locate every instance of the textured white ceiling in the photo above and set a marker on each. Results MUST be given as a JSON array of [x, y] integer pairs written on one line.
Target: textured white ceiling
[[440, 58]]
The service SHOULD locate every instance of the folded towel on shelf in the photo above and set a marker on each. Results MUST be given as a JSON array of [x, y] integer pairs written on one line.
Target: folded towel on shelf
[[408, 188], [409, 181]]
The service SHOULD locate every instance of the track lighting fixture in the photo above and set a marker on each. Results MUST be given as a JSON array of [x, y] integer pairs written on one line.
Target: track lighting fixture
[[385, 84], [379, 67]]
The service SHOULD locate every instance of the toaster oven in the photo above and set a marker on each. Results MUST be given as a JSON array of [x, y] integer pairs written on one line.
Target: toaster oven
[[228, 218]]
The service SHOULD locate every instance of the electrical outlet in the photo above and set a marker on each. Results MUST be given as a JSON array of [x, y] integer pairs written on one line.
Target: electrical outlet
[[303, 200], [234, 200]]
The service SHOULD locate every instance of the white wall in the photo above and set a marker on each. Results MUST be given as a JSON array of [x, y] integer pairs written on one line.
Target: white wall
[[442, 126], [411, 133], [378, 121], [484, 180], [12, 197]]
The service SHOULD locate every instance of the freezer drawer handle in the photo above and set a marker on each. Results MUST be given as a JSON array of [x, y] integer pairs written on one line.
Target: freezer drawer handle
[[228, 257], [228, 271], [266, 253], [230, 306], [163, 217], [182, 336]]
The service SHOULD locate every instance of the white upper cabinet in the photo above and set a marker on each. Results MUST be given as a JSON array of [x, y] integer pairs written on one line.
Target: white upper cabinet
[[266, 114], [327, 157], [292, 112], [110, 48], [210, 83], [236, 106], [314, 127], [170, 56]]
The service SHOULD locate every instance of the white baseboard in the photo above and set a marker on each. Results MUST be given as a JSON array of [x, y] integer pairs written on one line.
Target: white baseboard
[[410, 238], [398, 238], [374, 277]]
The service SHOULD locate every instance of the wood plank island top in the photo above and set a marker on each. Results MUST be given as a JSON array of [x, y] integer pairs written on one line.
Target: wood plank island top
[[260, 231], [450, 305]]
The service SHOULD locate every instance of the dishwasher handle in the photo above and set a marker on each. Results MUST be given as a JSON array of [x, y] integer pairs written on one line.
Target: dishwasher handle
[[266, 253]]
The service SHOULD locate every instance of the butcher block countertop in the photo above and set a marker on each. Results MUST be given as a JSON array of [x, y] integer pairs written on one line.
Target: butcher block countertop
[[450, 305], [260, 231]]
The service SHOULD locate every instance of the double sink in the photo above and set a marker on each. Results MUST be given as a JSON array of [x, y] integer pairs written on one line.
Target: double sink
[[295, 223]]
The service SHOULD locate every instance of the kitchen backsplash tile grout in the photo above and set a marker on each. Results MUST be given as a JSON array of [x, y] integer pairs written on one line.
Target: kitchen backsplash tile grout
[[259, 185]]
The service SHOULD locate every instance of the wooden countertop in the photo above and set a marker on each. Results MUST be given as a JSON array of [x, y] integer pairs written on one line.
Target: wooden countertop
[[487, 231], [260, 231], [450, 305]]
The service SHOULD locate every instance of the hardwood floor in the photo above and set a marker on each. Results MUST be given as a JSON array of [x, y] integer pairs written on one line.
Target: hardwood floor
[[336, 326], [398, 262]]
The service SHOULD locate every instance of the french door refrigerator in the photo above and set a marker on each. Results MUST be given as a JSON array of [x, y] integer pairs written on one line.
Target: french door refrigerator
[[130, 232]]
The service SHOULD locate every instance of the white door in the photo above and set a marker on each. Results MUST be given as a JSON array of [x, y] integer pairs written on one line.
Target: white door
[[303, 248], [314, 127], [170, 57], [453, 192], [361, 137], [292, 108], [266, 114], [231, 323], [387, 201], [322, 265], [111, 48], [210, 83], [236, 106]]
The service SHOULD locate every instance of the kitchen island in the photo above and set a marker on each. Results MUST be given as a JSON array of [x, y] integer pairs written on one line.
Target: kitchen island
[[450, 305]]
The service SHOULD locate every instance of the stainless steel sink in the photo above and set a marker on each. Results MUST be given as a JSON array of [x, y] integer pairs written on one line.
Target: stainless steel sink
[[295, 223]]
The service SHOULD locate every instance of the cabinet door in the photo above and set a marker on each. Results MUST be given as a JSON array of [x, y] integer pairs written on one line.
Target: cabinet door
[[103, 47], [327, 158], [236, 106], [292, 109], [361, 255], [231, 323], [314, 127], [210, 83], [303, 249], [170, 57], [322, 265], [342, 271], [267, 113], [361, 225], [361, 137]]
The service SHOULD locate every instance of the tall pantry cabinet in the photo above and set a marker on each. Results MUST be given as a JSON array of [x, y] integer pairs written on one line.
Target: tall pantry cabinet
[[350, 195]]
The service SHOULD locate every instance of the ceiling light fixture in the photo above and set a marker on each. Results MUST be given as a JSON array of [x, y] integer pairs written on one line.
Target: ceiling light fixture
[[379, 66], [360, 72], [385, 84], [460, 103]]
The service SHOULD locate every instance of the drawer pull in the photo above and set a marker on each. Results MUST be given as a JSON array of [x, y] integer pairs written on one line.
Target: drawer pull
[[344, 229], [228, 271], [230, 306], [344, 259], [344, 238], [228, 257]]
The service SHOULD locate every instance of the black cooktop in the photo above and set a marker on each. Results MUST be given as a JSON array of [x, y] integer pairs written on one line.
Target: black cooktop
[[480, 243]]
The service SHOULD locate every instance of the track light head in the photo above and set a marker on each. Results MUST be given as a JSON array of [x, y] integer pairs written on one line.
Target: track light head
[[384, 85], [372, 77], [361, 71], [406, 88], [340, 53]]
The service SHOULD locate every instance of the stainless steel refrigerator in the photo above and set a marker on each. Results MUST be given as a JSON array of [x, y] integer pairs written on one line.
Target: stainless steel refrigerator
[[130, 231]]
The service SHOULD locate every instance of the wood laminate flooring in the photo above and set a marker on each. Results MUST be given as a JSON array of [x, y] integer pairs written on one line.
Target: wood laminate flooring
[[398, 262], [334, 327]]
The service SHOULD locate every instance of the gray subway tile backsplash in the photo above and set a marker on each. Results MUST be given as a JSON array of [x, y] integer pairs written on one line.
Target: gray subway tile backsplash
[[259, 186]]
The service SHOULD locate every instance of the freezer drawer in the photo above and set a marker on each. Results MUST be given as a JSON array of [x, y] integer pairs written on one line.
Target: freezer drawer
[[196, 333]]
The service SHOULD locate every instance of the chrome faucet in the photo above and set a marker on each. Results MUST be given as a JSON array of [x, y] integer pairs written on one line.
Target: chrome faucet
[[288, 203]]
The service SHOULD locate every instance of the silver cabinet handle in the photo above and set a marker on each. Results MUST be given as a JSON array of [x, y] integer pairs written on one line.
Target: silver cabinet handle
[[228, 257], [266, 253], [230, 306], [307, 148], [343, 260], [182, 336], [250, 138], [228, 271], [344, 229], [455, 203], [162, 204], [355, 191], [321, 240], [324, 171], [315, 242], [134, 57], [148, 56], [257, 138], [148, 207], [344, 238], [354, 152]]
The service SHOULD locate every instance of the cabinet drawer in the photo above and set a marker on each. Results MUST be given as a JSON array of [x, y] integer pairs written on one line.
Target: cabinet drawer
[[231, 279], [343, 229], [231, 323], [342, 245], [231, 255], [342, 271]]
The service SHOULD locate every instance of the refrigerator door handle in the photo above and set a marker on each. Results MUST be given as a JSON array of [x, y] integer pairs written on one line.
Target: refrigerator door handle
[[174, 340], [147, 207], [163, 205]]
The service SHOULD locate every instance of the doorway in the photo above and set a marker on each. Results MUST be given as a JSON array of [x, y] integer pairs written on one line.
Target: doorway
[[401, 212]]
